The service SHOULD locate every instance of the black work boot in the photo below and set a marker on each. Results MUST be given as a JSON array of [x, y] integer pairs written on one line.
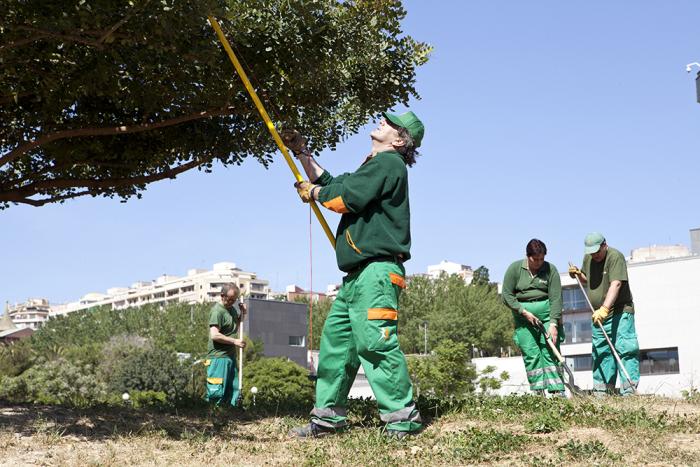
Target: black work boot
[[312, 430]]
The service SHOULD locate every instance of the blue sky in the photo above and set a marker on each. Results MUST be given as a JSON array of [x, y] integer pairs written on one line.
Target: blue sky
[[543, 119]]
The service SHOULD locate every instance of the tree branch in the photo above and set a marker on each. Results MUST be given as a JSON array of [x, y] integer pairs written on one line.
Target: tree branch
[[65, 37], [96, 187], [21, 42], [10, 99], [108, 131], [53, 199]]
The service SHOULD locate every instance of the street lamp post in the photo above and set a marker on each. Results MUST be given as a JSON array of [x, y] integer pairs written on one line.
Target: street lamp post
[[425, 337], [688, 68]]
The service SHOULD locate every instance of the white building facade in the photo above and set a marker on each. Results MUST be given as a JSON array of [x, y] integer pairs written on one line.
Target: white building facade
[[198, 286], [30, 314], [448, 267]]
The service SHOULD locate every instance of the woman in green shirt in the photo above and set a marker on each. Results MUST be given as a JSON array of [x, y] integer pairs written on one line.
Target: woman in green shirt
[[532, 290]]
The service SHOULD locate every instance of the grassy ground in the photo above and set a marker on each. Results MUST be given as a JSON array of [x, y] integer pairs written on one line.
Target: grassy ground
[[515, 430]]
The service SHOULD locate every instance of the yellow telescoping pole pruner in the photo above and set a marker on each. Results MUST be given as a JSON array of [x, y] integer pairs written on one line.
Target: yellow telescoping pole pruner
[[268, 122]]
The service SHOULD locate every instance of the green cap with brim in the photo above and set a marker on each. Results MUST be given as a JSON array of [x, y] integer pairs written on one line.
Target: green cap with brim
[[410, 122], [593, 241]]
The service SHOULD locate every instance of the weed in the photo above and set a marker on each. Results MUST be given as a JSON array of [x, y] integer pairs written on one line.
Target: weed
[[544, 423], [478, 445], [589, 451]]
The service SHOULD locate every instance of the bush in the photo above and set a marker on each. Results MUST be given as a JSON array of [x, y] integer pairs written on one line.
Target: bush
[[56, 382], [282, 385], [13, 390], [117, 350], [447, 373], [15, 358], [156, 370], [151, 399]]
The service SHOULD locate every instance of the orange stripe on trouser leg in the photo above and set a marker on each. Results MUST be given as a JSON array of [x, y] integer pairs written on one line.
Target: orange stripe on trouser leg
[[382, 313], [336, 204], [397, 280]]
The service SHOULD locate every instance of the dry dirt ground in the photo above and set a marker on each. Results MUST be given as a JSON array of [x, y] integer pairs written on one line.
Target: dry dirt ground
[[38, 435]]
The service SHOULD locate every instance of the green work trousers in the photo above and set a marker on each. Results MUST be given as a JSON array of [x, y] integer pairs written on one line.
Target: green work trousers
[[361, 329], [222, 381], [622, 334], [540, 363]]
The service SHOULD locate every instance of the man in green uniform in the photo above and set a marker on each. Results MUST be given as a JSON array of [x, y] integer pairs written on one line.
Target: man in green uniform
[[604, 273], [222, 370], [372, 242], [532, 290]]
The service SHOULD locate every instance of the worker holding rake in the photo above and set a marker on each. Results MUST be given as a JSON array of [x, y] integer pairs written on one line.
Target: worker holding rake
[[604, 274], [373, 240], [223, 386], [532, 290]]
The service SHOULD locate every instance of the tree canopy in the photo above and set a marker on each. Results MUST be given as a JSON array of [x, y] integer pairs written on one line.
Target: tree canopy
[[102, 97], [448, 309]]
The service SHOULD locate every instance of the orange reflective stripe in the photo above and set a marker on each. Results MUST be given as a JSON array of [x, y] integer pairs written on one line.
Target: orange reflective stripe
[[382, 313], [348, 239], [397, 280], [336, 204], [215, 380]]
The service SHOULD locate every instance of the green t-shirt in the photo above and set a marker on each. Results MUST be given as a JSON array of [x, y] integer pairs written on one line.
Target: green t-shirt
[[374, 203], [521, 286], [600, 275], [227, 322]]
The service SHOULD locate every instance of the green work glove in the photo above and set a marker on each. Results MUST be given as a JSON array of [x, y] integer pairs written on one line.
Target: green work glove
[[574, 271], [304, 189], [600, 314]]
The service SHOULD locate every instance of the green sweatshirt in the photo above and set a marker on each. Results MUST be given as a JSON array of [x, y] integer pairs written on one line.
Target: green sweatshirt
[[374, 204], [520, 286], [600, 275], [227, 321]]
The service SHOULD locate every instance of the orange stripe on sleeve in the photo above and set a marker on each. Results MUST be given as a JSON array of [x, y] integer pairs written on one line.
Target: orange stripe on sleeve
[[382, 313], [397, 280], [336, 204]]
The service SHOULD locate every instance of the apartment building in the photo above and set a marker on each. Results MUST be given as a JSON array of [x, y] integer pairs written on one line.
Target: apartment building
[[198, 286], [30, 314], [448, 267]]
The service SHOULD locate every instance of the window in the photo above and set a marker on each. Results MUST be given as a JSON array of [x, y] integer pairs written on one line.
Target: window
[[297, 341], [577, 328], [659, 361], [580, 362], [573, 299]]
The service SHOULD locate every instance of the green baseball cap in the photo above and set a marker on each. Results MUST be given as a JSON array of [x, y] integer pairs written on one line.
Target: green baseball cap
[[593, 241], [410, 122]]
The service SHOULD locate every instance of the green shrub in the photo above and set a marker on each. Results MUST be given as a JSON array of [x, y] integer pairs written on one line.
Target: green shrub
[[151, 399], [447, 373], [13, 390], [254, 350], [15, 358], [282, 386], [56, 382], [152, 370], [117, 350]]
